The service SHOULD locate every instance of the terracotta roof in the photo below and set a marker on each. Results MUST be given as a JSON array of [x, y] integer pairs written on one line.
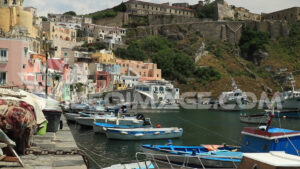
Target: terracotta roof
[[56, 64], [163, 5]]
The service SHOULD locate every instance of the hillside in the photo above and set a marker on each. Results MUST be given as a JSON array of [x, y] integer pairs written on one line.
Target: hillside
[[253, 64]]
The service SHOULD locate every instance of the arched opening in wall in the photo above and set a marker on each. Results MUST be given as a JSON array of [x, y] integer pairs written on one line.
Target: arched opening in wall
[[67, 39], [14, 2], [61, 38], [5, 2]]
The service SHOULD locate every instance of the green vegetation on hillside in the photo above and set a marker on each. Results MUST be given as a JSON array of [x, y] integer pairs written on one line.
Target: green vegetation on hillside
[[175, 63], [108, 12], [253, 41], [92, 47], [207, 11], [72, 13]]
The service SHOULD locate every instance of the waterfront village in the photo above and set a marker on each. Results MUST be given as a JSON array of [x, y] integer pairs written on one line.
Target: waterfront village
[[61, 71]]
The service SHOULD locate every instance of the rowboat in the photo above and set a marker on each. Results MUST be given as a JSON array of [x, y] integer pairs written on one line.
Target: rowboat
[[144, 133], [194, 156], [71, 116], [254, 119], [102, 127]]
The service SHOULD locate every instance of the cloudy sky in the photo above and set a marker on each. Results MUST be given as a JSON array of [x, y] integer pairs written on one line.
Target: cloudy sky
[[88, 6]]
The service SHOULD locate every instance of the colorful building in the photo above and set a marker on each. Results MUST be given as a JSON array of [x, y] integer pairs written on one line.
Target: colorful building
[[146, 71], [14, 16], [57, 31], [105, 57], [34, 73], [13, 60]]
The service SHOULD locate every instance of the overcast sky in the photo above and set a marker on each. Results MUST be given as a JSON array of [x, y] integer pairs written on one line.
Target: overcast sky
[[88, 6]]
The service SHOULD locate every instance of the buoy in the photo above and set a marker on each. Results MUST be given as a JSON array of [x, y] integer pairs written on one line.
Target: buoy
[[124, 132], [284, 117], [138, 135], [158, 126], [157, 133]]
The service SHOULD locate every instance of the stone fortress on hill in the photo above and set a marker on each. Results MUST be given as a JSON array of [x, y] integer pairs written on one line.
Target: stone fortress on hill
[[225, 21], [143, 13]]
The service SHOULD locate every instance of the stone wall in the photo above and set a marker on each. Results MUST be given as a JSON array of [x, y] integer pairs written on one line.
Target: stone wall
[[225, 31], [117, 21], [168, 19], [290, 15]]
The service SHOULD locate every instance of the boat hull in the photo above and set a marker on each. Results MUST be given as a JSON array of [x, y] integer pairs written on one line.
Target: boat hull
[[71, 116], [161, 159], [85, 121], [254, 119], [147, 134]]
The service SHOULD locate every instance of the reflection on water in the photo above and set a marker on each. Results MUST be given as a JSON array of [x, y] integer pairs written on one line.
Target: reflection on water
[[200, 127]]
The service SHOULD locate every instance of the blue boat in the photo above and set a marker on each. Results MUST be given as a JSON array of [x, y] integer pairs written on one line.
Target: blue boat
[[266, 139], [193, 156]]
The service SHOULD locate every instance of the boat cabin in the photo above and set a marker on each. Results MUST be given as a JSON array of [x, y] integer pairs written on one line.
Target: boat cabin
[[272, 160], [272, 139]]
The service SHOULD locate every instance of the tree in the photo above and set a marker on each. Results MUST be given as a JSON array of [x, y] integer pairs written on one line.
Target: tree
[[72, 13], [44, 18], [252, 41]]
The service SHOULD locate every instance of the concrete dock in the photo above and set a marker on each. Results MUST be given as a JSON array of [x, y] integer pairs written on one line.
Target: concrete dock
[[63, 141]]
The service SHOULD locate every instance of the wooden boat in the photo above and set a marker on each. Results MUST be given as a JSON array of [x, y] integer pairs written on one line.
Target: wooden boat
[[71, 116], [89, 119], [144, 133], [254, 119], [138, 165], [102, 127], [206, 156], [213, 159], [272, 160]]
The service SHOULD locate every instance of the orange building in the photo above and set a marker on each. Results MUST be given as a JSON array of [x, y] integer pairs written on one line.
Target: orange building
[[146, 71]]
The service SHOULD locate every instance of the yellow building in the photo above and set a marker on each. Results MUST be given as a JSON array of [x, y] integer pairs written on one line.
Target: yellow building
[[105, 57], [54, 30], [12, 14]]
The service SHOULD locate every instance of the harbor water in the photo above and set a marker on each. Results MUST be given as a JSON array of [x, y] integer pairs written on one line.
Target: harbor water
[[200, 127]]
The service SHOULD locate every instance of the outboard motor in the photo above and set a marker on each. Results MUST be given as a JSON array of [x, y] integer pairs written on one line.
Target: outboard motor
[[140, 117]]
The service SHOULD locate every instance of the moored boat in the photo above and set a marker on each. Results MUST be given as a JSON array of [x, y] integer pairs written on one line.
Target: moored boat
[[102, 127], [254, 119], [144, 133], [71, 116], [205, 156]]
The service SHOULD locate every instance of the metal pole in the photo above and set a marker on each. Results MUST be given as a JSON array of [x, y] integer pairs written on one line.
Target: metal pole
[[46, 88]]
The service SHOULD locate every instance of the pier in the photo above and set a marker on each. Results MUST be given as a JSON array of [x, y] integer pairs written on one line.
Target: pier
[[61, 142]]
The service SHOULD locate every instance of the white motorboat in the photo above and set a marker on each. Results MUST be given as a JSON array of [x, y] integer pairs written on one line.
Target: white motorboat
[[233, 100]]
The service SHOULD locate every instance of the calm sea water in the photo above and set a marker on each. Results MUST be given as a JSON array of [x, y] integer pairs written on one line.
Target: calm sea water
[[200, 127]]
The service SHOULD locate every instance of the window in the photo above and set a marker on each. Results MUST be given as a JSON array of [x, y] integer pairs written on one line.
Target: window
[[3, 55], [5, 2], [66, 54], [14, 2], [3, 77]]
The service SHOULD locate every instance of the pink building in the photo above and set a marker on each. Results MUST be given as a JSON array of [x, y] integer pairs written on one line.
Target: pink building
[[146, 71], [102, 80], [34, 72], [13, 60]]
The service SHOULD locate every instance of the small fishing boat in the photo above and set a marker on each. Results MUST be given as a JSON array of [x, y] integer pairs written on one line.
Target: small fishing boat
[[102, 127], [138, 165], [267, 138], [205, 156], [144, 133], [126, 120], [71, 116], [255, 118]]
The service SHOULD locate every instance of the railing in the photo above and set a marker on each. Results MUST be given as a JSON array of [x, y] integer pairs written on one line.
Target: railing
[[159, 160]]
